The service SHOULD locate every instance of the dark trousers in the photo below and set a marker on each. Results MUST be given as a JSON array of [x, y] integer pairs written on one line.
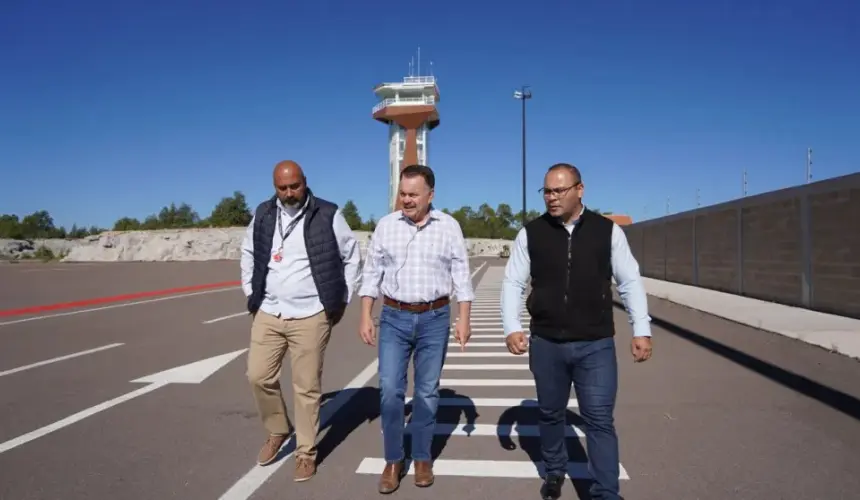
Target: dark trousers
[[592, 368]]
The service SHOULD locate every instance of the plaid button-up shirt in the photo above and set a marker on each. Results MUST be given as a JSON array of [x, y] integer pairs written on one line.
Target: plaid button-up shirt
[[412, 264]]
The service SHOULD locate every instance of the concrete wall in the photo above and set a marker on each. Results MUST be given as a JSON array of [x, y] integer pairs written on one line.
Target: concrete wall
[[798, 246]]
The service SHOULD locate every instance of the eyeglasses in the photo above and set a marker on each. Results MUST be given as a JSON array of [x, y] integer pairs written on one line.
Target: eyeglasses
[[548, 192]]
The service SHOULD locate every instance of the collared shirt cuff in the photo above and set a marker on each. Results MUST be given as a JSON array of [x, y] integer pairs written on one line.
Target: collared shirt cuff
[[642, 329], [515, 327], [467, 297]]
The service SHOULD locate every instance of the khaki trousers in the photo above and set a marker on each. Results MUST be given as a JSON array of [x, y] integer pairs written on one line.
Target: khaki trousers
[[306, 340]]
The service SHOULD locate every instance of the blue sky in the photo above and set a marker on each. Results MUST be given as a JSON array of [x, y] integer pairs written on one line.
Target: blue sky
[[110, 109]]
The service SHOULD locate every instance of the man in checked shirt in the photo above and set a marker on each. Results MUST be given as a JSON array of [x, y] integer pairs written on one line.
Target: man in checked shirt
[[413, 258]]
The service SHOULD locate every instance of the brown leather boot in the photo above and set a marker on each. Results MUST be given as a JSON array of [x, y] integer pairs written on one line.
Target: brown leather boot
[[390, 479], [423, 473]]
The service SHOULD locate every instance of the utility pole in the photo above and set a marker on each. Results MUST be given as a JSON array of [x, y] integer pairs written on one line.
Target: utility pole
[[808, 165], [667, 205], [745, 181], [524, 94], [698, 202]]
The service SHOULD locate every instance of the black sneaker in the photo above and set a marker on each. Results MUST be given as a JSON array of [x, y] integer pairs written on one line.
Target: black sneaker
[[551, 488]]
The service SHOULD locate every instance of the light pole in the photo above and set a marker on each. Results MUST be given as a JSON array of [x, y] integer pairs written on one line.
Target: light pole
[[524, 94]]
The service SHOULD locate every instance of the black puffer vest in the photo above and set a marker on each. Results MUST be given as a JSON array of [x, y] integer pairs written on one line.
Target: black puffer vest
[[323, 253]]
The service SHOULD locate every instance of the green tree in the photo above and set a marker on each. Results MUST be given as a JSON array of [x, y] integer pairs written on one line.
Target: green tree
[[182, 216], [151, 222], [230, 212], [39, 224], [77, 232], [369, 224], [350, 213], [126, 224], [10, 227]]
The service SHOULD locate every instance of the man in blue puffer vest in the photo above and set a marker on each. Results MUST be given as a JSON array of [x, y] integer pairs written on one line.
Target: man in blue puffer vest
[[300, 262]]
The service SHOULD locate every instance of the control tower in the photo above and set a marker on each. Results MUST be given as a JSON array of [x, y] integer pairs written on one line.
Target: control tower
[[409, 109]]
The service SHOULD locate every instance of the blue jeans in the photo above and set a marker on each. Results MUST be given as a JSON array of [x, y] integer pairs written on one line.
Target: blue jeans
[[593, 369], [402, 334]]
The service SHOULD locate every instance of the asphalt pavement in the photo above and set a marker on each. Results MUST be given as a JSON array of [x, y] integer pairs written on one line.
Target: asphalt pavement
[[33, 283], [145, 397]]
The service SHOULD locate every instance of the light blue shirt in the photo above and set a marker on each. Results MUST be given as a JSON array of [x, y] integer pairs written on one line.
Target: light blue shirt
[[625, 270], [290, 289]]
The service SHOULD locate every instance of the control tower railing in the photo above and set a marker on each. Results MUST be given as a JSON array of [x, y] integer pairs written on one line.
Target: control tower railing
[[408, 101]]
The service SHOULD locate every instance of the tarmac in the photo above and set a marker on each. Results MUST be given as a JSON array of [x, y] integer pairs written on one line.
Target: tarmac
[[127, 380]]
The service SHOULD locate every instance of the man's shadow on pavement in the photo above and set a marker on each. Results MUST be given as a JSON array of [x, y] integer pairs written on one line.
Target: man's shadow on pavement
[[361, 408], [527, 415], [446, 417], [341, 413]]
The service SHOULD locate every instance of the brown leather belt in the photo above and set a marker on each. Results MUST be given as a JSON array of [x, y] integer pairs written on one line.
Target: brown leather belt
[[416, 307]]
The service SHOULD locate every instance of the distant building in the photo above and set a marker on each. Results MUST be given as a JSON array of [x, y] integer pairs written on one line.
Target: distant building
[[621, 220]]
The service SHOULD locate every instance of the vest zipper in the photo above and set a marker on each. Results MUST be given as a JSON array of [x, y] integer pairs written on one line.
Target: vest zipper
[[567, 274]]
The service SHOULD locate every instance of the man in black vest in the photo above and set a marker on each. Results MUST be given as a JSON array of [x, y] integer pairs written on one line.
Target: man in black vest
[[300, 261], [569, 255]]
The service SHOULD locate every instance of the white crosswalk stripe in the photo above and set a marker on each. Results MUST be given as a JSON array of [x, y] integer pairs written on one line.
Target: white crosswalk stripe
[[491, 370]]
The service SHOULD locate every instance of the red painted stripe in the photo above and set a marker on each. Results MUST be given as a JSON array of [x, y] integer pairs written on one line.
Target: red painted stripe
[[114, 298]]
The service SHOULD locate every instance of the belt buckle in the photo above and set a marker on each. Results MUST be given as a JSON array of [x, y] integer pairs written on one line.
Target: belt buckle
[[400, 306], [417, 307]]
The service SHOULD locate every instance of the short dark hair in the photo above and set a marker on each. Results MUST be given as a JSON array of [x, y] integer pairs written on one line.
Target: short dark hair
[[423, 171], [567, 166]]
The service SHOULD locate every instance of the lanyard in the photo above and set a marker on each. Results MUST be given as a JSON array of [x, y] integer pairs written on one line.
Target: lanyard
[[291, 226]]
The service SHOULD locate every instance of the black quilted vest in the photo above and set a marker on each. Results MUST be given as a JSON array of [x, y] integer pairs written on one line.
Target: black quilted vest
[[323, 253]]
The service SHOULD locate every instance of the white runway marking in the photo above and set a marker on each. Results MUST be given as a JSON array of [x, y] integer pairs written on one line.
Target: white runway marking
[[486, 382], [493, 402], [117, 306], [485, 354], [59, 358], [487, 367], [222, 318], [500, 343], [192, 373], [482, 430], [501, 469]]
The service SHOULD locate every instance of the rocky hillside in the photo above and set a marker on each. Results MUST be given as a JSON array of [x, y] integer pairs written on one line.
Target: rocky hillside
[[23, 249], [171, 245]]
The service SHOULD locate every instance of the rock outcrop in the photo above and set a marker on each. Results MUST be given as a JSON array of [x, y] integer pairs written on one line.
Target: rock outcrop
[[175, 245], [26, 249]]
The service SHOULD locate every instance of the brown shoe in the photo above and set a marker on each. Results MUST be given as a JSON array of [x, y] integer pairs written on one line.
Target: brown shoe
[[423, 473], [270, 449], [391, 476], [306, 467]]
